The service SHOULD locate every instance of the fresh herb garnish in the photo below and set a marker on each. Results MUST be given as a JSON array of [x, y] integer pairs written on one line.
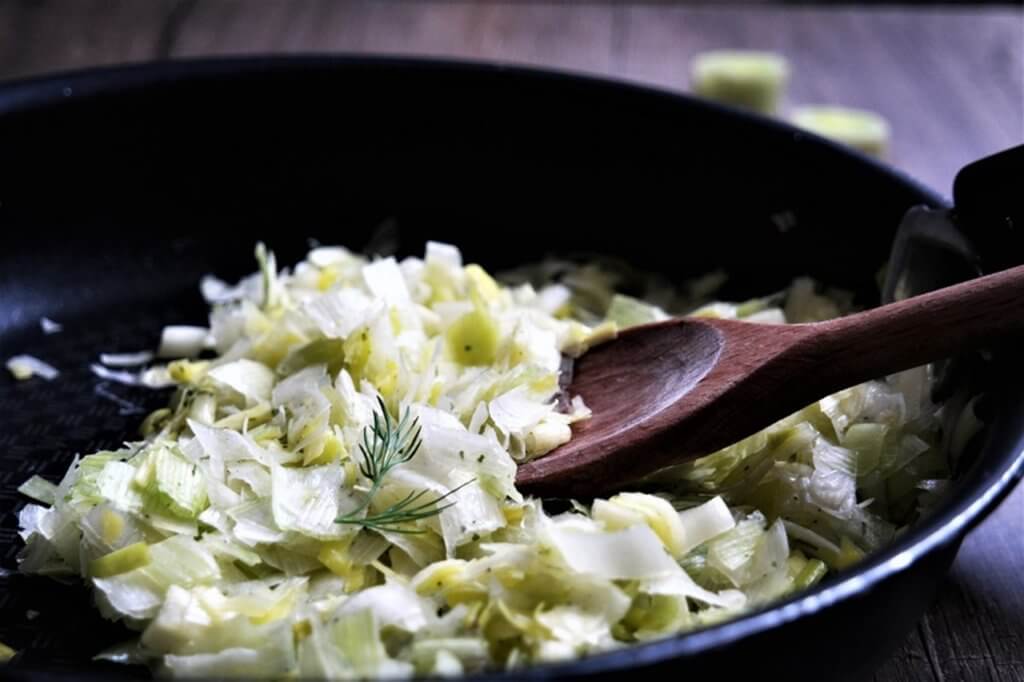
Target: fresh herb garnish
[[402, 512], [387, 444]]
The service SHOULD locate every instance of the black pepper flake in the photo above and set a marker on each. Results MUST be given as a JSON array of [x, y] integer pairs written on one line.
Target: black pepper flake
[[480, 458]]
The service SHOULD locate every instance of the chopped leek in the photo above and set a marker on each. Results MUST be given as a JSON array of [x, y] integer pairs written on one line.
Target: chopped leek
[[745, 78], [39, 489], [860, 129], [120, 561], [50, 326], [473, 339], [332, 493], [181, 341], [126, 359], [626, 311], [24, 367]]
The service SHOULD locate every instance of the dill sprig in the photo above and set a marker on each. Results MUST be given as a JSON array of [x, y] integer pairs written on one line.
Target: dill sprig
[[403, 512], [387, 444]]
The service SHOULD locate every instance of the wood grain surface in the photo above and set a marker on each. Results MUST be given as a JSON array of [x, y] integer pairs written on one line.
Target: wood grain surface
[[949, 80]]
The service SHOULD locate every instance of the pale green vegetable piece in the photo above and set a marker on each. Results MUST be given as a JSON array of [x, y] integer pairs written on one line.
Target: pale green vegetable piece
[[867, 440], [120, 561], [704, 522], [180, 482], [811, 574], [39, 489], [864, 130], [627, 311], [473, 339], [746, 78], [329, 352], [733, 552]]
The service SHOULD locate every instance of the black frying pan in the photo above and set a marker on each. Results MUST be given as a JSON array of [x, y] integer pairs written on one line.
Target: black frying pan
[[104, 173]]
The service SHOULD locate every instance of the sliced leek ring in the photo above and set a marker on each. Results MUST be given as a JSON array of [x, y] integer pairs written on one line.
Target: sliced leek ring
[[744, 78], [861, 129]]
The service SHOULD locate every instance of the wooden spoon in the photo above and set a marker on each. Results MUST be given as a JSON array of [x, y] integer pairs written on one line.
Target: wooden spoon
[[671, 391]]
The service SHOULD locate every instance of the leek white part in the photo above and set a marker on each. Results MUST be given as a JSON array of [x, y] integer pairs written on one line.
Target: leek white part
[[551, 299], [515, 413], [443, 255], [180, 482], [182, 341], [138, 594], [745, 78], [216, 291], [325, 256], [50, 326], [251, 379], [116, 484], [733, 553], [308, 500], [26, 366], [385, 281], [337, 314], [704, 522], [224, 445], [678, 583], [126, 359], [233, 662], [629, 554], [627, 311], [39, 489], [798, 532], [626, 509], [392, 605], [864, 130], [118, 376]]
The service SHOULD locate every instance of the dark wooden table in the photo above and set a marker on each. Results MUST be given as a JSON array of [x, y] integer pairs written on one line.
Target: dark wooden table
[[950, 81]]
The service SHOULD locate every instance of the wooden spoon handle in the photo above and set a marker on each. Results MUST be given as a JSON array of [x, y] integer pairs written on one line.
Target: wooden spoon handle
[[924, 328]]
